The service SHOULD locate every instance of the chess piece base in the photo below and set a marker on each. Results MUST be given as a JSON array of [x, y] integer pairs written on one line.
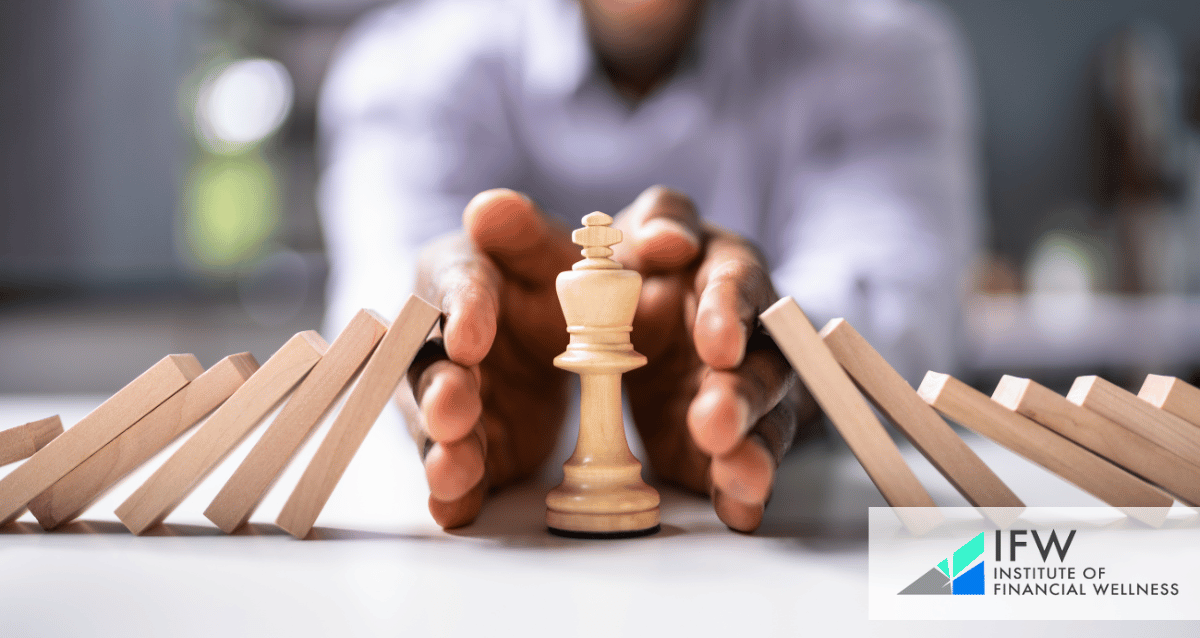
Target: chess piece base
[[616, 525], [606, 536]]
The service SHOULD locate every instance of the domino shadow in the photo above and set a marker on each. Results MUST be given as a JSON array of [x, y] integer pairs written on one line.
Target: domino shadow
[[182, 530]]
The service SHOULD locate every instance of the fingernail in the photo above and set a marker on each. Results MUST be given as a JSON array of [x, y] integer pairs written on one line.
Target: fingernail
[[662, 225]]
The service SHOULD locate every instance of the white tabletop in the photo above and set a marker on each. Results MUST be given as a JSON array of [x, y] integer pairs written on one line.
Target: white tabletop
[[382, 567]]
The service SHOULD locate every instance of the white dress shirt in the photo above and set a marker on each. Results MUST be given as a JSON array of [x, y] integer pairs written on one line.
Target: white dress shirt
[[837, 134]]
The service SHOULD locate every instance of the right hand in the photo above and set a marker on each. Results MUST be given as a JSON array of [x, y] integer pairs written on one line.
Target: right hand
[[486, 410]]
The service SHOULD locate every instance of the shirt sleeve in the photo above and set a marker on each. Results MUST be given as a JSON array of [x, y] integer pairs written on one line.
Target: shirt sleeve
[[884, 211], [411, 127]]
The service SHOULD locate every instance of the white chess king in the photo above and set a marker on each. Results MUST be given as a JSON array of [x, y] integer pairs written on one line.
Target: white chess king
[[602, 493]]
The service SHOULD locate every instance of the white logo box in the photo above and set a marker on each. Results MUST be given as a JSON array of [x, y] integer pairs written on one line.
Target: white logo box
[[1114, 567]]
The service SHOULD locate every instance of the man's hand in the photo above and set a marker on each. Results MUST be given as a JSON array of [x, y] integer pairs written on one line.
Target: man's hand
[[717, 405], [489, 406]]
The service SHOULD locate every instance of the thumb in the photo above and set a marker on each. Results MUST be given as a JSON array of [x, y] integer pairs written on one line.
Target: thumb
[[508, 227], [662, 231]]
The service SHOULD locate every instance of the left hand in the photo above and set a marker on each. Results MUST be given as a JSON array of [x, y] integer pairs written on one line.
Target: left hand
[[717, 406]]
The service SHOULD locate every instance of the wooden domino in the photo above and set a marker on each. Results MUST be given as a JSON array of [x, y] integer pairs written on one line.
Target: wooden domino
[[1111, 484], [1172, 395], [897, 400], [244, 490], [370, 395], [22, 441], [1100, 435], [94, 431], [155, 499], [1124, 408], [843, 404], [75, 492]]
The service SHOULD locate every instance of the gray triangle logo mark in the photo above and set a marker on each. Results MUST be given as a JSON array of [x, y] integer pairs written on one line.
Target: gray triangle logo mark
[[934, 582]]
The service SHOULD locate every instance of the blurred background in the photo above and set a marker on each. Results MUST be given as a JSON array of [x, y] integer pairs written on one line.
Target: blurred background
[[157, 175]]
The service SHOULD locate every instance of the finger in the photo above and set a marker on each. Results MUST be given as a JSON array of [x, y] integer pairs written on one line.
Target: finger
[[448, 409], [746, 473], [734, 287], [738, 516], [508, 227], [662, 231], [742, 479], [466, 286], [450, 400], [729, 403], [461, 511], [453, 468], [444, 402]]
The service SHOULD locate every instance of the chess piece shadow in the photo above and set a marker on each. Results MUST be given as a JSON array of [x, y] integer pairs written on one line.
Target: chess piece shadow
[[516, 517]]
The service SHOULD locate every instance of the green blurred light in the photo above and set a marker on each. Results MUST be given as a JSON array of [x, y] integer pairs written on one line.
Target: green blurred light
[[234, 210]]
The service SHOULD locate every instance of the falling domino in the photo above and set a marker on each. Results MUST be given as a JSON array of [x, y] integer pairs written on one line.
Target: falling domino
[[155, 499], [370, 395], [75, 492], [239, 497], [1111, 484], [102, 425], [1172, 395], [1100, 435], [1123, 407], [848, 411], [22, 441], [897, 400]]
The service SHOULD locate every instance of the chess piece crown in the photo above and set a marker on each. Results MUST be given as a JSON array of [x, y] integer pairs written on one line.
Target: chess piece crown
[[599, 306]]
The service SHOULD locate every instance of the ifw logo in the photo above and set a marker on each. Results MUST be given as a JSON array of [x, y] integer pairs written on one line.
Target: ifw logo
[[955, 575]]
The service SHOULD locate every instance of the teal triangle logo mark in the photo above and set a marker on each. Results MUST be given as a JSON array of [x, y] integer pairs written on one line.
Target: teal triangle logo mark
[[959, 575]]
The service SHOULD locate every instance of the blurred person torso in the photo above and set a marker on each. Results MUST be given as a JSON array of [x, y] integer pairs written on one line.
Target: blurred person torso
[[837, 134]]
